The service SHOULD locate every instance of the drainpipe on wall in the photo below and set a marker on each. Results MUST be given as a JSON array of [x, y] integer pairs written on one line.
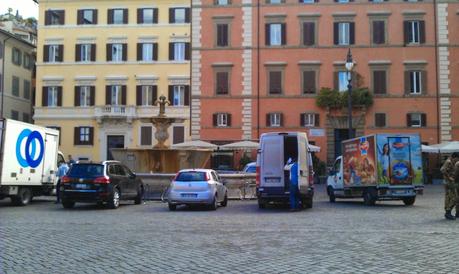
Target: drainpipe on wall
[[437, 83], [258, 69], [191, 67], [3, 75]]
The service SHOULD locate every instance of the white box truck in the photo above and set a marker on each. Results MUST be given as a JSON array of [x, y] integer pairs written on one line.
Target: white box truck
[[378, 167], [28, 160], [273, 183]]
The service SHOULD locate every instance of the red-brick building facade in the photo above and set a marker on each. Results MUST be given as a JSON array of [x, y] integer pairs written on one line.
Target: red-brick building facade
[[258, 66]]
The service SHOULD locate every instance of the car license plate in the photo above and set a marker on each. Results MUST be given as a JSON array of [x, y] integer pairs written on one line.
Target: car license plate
[[189, 195], [81, 186], [272, 180], [399, 191]]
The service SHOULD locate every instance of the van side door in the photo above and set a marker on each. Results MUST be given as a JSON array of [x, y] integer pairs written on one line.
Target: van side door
[[303, 166]]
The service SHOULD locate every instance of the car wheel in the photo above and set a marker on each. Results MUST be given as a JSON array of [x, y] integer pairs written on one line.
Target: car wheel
[[172, 207], [114, 202], [68, 204], [23, 198], [225, 201], [138, 198], [409, 201], [214, 204], [331, 194], [307, 202]]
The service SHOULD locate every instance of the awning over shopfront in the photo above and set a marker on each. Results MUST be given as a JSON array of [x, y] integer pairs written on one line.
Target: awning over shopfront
[[198, 144], [447, 147], [242, 145]]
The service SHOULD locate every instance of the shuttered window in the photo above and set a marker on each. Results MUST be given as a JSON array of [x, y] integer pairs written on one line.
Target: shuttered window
[[309, 33], [147, 16], [380, 119], [309, 120], [221, 119], [344, 33], [416, 120], [54, 17], [179, 15], [146, 135], [117, 16], [276, 34], [87, 17], [379, 82], [414, 32], [309, 82], [83, 136], [222, 82], [274, 120], [275, 82], [379, 32], [415, 82], [222, 35]]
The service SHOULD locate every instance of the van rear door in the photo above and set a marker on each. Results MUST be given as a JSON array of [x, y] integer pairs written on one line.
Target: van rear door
[[272, 161], [50, 158], [303, 166]]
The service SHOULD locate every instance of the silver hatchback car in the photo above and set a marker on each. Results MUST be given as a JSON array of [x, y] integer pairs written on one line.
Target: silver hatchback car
[[197, 186]]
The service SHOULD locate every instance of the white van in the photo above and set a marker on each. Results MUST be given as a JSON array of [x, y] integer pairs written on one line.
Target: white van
[[272, 180]]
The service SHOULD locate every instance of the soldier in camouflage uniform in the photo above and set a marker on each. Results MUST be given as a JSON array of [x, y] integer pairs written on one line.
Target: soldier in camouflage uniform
[[456, 182], [451, 190]]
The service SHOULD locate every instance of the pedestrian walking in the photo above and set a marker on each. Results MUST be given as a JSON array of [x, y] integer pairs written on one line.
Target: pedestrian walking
[[71, 161], [294, 192], [451, 189], [61, 171]]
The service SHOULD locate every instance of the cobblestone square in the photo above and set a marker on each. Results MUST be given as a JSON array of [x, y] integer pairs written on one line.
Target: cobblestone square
[[346, 237]]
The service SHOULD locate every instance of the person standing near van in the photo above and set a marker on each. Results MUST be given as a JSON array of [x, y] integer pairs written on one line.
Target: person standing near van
[[294, 192], [448, 170], [61, 171]]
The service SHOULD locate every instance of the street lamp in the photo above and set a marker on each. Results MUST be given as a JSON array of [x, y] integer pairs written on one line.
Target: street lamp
[[349, 67]]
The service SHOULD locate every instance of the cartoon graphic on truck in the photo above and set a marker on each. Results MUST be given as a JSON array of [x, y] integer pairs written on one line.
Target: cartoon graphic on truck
[[28, 160], [378, 167]]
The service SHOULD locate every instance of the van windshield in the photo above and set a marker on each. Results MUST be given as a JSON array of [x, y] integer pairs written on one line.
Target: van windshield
[[191, 176], [86, 170]]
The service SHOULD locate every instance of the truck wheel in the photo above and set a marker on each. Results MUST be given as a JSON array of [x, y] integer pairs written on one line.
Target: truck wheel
[[23, 198], [172, 207], [261, 204], [368, 198], [68, 204], [409, 201], [331, 194]]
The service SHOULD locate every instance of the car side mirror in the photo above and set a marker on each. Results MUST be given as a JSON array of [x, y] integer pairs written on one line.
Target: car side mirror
[[133, 176]]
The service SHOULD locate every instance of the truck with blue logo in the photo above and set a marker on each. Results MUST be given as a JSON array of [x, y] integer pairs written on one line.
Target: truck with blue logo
[[378, 167], [28, 161]]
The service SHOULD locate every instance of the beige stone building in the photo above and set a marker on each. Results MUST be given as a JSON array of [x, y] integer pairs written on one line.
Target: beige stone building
[[102, 65], [16, 71]]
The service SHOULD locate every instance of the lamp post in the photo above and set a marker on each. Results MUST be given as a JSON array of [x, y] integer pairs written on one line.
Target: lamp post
[[349, 67]]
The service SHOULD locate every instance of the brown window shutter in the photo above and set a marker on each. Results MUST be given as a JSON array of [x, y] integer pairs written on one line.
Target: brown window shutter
[[93, 52], [91, 136], [139, 95], [187, 95], [228, 119], [406, 32], [110, 16], [139, 51], [336, 33], [187, 51], [275, 82], [424, 88], [77, 52], [44, 97], [61, 53], [214, 119], [378, 32], [187, 15], [336, 80], [45, 53], [62, 17], [302, 119], [77, 96], [155, 15], [309, 81], [95, 17], [267, 35], [171, 51], [80, 17], [155, 93], [352, 33], [408, 119], [92, 98], [145, 136], [225, 35], [123, 95], [59, 96], [125, 52], [308, 33], [125, 16], [380, 119], [171, 15], [422, 32], [76, 136], [155, 51], [139, 16], [47, 17], [379, 82], [281, 119], [317, 120], [268, 120], [423, 120], [109, 52], [108, 95], [407, 82], [283, 33], [171, 94]]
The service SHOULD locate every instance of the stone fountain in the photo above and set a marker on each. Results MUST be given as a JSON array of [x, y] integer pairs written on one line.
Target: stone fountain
[[161, 158]]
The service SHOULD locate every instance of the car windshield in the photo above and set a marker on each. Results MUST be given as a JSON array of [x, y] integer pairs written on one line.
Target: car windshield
[[86, 170], [192, 176], [251, 169]]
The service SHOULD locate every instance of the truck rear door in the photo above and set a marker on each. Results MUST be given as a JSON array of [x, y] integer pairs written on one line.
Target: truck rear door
[[400, 170], [272, 161], [50, 158], [2, 124], [303, 166]]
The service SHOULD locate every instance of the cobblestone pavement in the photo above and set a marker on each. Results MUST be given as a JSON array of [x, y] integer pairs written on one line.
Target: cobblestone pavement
[[346, 237]]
